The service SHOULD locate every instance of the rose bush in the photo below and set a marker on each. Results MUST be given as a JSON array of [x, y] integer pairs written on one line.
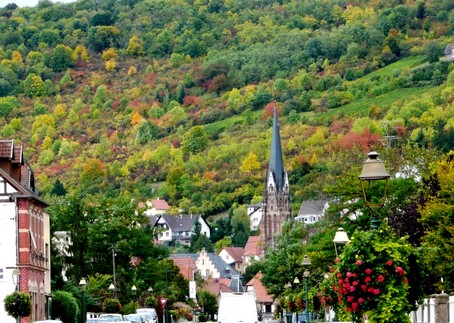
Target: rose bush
[[377, 273]]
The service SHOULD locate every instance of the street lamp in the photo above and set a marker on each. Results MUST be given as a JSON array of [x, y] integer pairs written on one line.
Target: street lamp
[[340, 237], [83, 284], [296, 281], [113, 270], [306, 262], [16, 278], [16, 282], [372, 173], [134, 290]]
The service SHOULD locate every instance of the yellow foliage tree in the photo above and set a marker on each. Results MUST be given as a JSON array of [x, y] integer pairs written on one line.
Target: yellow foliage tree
[[81, 53], [250, 163], [111, 65], [136, 118], [134, 47], [109, 54]]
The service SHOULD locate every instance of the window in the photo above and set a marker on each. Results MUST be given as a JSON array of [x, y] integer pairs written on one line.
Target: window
[[1, 274]]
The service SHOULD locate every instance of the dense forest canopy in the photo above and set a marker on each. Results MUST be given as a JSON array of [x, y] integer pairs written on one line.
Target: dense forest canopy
[[123, 97], [120, 101]]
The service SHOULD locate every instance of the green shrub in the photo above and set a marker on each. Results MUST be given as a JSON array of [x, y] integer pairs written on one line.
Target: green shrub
[[18, 304], [65, 307]]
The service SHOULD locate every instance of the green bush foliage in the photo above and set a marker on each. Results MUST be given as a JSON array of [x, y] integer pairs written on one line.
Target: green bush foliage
[[18, 304]]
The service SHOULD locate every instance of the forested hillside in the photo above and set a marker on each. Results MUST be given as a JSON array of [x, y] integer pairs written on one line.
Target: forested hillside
[[173, 99]]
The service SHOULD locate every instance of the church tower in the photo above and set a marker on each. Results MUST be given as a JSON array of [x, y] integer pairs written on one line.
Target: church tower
[[276, 201]]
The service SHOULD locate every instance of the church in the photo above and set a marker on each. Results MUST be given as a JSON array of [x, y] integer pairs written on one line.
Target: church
[[276, 206]]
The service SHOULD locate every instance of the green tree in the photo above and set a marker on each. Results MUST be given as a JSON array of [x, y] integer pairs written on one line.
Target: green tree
[[7, 105], [208, 303], [134, 48], [62, 58], [102, 37], [195, 140], [34, 86], [147, 131], [65, 307], [436, 218]]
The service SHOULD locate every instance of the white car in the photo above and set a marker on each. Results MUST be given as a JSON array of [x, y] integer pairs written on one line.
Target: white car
[[113, 317], [149, 313]]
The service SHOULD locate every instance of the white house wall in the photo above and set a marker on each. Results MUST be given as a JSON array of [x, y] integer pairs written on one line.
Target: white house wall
[[8, 247], [205, 229], [206, 267]]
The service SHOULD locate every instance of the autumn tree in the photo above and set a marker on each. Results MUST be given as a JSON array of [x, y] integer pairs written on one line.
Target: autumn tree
[[62, 58], [34, 86], [195, 140], [135, 47], [436, 217], [250, 163]]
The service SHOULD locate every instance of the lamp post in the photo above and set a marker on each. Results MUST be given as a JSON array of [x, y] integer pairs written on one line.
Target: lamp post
[[296, 281], [373, 171], [82, 285], [134, 290], [16, 281], [288, 314], [306, 262], [113, 271], [16, 278], [340, 237]]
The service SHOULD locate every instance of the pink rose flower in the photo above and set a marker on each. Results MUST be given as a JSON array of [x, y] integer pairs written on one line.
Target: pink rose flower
[[389, 263], [380, 278], [359, 262], [368, 271]]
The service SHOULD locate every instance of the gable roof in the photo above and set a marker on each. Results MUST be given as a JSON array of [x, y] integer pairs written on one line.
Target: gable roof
[[312, 207], [225, 270], [180, 223], [261, 293], [186, 263], [160, 204], [235, 252], [252, 247], [216, 286]]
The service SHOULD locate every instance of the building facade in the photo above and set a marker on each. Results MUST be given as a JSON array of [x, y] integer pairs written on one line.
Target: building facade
[[277, 203], [25, 238]]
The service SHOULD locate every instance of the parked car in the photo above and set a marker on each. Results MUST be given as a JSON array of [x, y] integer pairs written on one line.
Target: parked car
[[148, 312], [148, 318], [113, 317], [97, 320], [134, 318]]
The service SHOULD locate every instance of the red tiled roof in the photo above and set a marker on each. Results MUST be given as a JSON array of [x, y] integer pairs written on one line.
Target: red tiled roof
[[6, 148], [216, 286], [160, 204], [187, 266], [236, 253], [252, 247], [261, 293]]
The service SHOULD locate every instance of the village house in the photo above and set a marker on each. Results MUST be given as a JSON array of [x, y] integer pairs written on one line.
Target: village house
[[25, 238], [178, 228], [312, 211], [233, 256]]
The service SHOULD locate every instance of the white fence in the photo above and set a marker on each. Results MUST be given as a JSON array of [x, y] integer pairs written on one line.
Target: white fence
[[426, 312]]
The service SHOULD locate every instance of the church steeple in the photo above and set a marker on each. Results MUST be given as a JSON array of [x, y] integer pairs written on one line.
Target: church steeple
[[276, 163], [276, 201]]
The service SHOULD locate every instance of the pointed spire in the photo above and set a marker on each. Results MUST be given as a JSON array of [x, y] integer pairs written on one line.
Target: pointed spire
[[276, 165]]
